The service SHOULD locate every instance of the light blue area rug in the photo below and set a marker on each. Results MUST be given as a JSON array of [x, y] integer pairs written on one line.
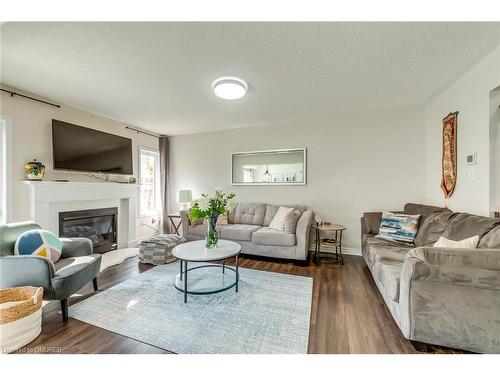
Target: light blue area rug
[[269, 314]]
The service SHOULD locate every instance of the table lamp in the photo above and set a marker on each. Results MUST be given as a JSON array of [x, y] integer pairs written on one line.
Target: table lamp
[[184, 197]]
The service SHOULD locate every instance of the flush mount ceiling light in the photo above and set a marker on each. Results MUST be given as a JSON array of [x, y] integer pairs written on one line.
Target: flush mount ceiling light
[[230, 88]]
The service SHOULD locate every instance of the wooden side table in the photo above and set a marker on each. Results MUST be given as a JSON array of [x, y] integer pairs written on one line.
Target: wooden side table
[[331, 243], [173, 216]]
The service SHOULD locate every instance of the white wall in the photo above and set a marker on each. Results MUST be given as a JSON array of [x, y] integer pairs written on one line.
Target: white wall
[[495, 149], [32, 138], [354, 164], [470, 95]]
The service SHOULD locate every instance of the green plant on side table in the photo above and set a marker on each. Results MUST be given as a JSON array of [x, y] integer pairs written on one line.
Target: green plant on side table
[[210, 207]]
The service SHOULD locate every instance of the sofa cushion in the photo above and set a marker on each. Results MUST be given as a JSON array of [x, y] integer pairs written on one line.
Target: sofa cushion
[[491, 240], [284, 214], [271, 210], [198, 230], [389, 275], [375, 245], [465, 225], [423, 210], [238, 232], [250, 213], [272, 237], [68, 266], [432, 227], [392, 255]]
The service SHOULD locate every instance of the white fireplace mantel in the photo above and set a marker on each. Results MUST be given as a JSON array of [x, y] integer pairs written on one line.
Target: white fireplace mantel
[[47, 198]]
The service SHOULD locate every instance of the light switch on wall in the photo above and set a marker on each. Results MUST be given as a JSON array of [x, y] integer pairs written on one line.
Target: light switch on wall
[[471, 175]]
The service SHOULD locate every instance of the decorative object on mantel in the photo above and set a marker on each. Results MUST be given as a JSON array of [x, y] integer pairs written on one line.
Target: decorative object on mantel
[[132, 180], [211, 207], [34, 170], [449, 155]]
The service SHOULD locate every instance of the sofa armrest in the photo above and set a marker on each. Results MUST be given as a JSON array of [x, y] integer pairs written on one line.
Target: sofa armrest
[[481, 259], [27, 270], [184, 222], [446, 294], [302, 234], [370, 222], [76, 247]]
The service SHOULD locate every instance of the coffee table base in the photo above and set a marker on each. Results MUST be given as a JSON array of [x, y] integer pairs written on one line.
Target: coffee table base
[[181, 280]]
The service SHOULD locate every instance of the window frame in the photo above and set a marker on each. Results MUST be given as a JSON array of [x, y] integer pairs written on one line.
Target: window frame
[[156, 186]]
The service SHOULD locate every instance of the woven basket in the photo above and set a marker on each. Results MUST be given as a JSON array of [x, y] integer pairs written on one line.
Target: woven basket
[[20, 317]]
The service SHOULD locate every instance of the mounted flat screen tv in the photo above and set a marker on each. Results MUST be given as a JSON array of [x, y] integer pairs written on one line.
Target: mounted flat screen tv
[[76, 148]]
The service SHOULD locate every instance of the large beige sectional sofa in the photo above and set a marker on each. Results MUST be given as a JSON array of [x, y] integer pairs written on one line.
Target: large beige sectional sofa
[[442, 296], [248, 224]]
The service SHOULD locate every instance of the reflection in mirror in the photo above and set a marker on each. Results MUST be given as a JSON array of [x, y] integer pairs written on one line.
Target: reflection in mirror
[[278, 167]]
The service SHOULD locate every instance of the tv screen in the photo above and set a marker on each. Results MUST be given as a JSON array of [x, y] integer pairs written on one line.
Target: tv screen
[[82, 149]]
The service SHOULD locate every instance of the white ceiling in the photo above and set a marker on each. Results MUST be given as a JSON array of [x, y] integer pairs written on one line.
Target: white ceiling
[[158, 75]]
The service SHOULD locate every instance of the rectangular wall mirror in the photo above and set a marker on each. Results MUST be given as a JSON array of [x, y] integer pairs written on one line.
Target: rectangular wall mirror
[[273, 167]]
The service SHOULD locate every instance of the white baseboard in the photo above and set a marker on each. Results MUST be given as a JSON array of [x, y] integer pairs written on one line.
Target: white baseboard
[[345, 250]]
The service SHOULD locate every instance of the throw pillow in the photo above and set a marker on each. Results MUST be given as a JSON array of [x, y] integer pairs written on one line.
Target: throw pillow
[[398, 227], [291, 221], [467, 243], [279, 220], [39, 242], [222, 220]]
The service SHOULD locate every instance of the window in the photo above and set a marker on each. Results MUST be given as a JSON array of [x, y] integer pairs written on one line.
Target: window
[[149, 180]]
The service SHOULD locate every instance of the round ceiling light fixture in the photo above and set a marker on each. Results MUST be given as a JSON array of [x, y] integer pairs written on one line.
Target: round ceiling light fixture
[[230, 88]]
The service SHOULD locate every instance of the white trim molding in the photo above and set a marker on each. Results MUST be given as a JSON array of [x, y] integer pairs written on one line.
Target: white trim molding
[[156, 155], [345, 250]]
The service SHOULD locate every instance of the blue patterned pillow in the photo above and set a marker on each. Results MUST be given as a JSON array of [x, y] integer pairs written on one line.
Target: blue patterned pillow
[[39, 242], [398, 227]]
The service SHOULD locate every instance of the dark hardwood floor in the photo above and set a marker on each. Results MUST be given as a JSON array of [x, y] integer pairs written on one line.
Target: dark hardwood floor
[[348, 314]]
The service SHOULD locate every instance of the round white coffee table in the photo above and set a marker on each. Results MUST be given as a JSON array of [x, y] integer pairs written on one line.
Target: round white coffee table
[[195, 251]]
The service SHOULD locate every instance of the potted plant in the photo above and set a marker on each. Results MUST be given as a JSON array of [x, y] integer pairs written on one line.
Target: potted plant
[[210, 207]]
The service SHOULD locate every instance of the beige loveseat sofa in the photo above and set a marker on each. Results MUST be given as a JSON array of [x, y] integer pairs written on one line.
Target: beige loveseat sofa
[[248, 224], [442, 296]]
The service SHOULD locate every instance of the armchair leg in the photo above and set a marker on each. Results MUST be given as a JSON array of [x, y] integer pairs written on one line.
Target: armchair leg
[[94, 282], [64, 309]]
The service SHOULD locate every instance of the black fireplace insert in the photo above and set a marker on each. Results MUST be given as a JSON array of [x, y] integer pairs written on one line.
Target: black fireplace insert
[[98, 225]]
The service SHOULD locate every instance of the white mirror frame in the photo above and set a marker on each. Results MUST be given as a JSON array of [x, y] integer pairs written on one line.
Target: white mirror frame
[[270, 183]]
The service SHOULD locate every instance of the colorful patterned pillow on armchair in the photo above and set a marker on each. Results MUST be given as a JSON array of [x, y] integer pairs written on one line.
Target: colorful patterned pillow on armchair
[[39, 242]]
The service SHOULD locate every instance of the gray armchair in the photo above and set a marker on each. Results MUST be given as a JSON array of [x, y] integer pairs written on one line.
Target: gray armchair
[[76, 267]]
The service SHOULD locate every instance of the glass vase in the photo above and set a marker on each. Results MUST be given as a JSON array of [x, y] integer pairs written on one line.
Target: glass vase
[[212, 236]]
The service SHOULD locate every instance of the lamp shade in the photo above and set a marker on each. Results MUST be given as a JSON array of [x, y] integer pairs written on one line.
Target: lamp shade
[[184, 196]]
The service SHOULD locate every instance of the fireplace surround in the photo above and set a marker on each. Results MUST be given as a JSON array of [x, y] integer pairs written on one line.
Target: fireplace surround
[[44, 200], [98, 225]]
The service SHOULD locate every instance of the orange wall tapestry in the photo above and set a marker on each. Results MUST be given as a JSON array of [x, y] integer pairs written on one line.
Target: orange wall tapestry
[[449, 155]]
